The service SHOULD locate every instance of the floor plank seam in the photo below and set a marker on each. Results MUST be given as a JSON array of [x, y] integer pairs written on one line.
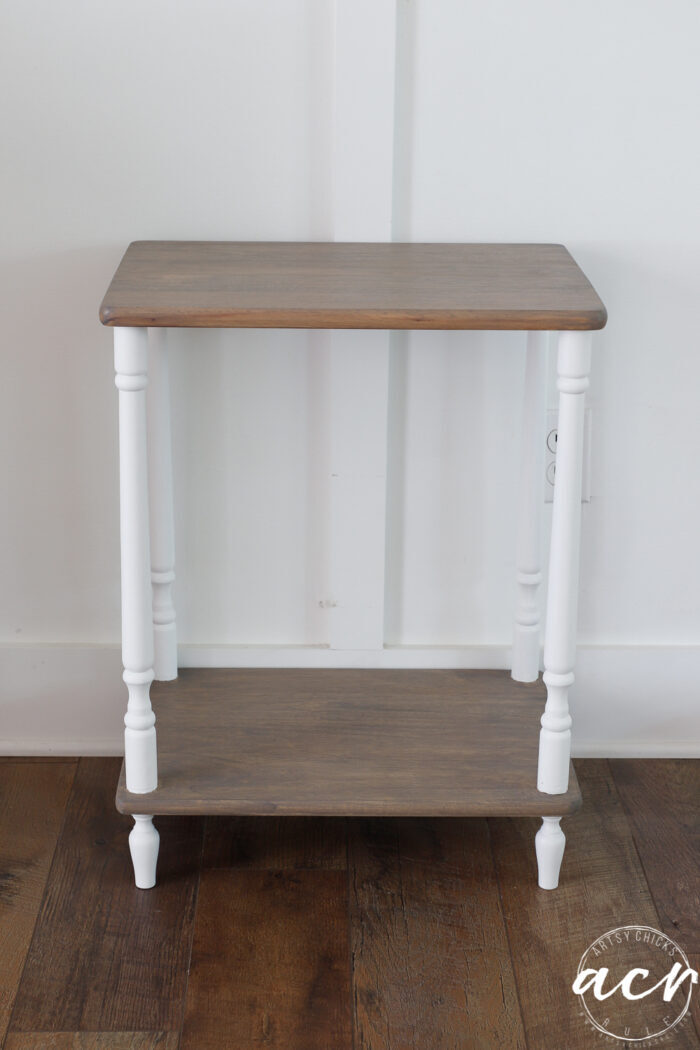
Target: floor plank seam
[[40, 909], [630, 827], [507, 931], [195, 904], [348, 888]]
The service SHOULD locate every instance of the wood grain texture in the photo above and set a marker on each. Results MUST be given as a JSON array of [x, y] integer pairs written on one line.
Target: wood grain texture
[[219, 284], [24, 760], [602, 887], [347, 743], [694, 960], [662, 802], [431, 964], [270, 962], [419, 889], [92, 1041], [106, 956], [275, 843], [33, 801]]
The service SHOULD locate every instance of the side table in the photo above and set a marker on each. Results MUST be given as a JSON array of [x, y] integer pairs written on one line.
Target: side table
[[348, 742]]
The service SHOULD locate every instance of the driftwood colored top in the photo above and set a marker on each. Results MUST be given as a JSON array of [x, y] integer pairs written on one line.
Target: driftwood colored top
[[254, 284]]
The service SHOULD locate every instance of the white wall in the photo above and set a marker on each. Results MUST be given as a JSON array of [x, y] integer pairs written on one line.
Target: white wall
[[425, 120]]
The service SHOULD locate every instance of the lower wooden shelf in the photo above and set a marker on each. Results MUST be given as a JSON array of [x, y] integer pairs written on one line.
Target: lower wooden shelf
[[348, 743]]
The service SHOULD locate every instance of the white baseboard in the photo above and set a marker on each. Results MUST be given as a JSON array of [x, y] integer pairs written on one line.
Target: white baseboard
[[470, 657], [636, 749], [628, 701]]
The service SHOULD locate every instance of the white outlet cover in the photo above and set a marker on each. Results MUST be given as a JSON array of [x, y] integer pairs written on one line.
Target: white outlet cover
[[550, 457]]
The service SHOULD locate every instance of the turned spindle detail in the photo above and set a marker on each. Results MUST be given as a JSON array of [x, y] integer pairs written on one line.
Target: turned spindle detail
[[549, 847], [131, 366], [144, 841], [573, 366], [161, 508], [526, 634]]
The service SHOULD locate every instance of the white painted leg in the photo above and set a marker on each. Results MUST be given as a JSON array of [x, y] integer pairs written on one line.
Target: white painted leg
[[160, 482], [131, 365], [573, 366], [143, 845], [549, 846], [526, 634]]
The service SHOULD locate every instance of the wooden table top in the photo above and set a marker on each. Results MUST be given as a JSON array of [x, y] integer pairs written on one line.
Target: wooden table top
[[254, 284]]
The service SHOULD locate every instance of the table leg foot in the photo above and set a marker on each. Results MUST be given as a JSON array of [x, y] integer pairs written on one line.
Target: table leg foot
[[144, 841], [549, 846]]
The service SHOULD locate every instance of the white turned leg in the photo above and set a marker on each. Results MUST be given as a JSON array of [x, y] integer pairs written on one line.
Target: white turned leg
[[573, 366], [131, 365], [160, 481], [143, 845], [526, 634], [549, 847]]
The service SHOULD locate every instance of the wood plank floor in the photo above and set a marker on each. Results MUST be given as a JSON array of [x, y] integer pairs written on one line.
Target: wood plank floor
[[342, 934]]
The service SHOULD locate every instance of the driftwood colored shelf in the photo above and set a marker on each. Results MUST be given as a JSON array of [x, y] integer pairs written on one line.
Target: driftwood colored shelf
[[348, 743], [250, 284]]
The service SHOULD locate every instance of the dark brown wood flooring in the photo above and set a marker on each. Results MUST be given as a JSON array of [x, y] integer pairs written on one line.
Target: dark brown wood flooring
[[332, 933]]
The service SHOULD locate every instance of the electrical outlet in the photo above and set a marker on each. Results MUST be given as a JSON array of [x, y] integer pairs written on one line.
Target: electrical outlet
[[550, 457]]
